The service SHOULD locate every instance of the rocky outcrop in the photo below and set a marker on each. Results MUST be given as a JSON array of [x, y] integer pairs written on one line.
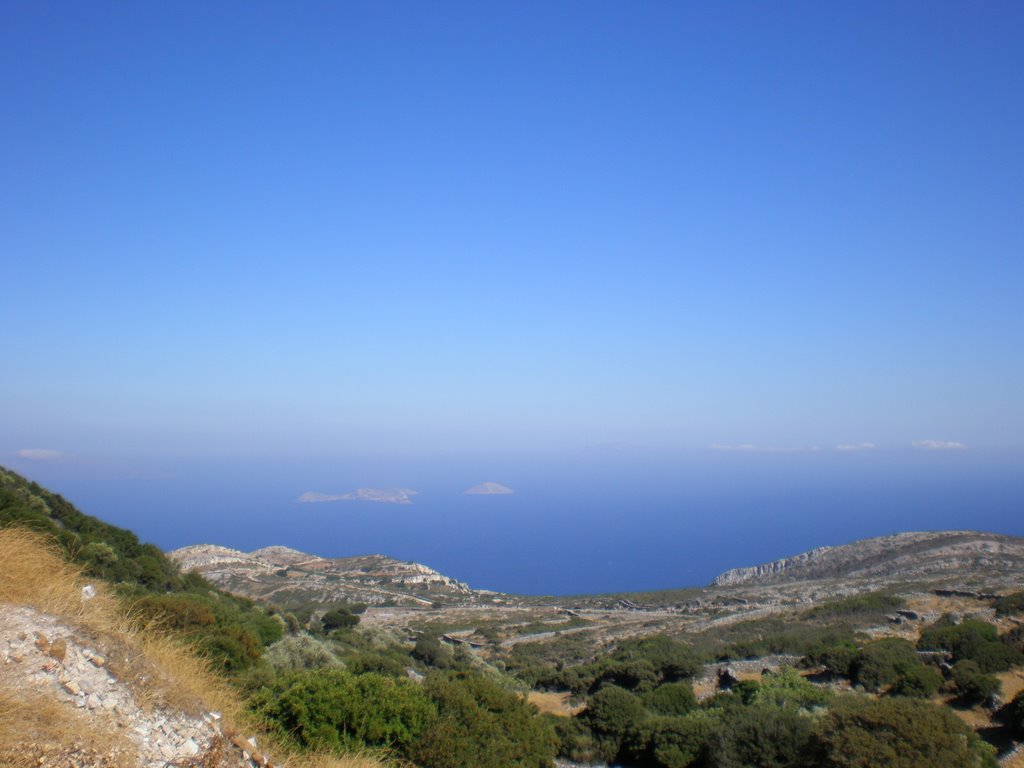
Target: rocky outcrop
[[903, 555], [206, 556], [488, 489], [288, 575]]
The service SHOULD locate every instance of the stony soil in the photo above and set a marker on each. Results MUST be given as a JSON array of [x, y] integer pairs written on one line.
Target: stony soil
[[41, 655]]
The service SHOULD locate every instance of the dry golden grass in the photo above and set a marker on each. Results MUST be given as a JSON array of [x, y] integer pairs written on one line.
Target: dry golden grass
[[979, 717], [356, 760], [37, 730], [157, 667], [1012, 682], [35, 574], [558, 704]]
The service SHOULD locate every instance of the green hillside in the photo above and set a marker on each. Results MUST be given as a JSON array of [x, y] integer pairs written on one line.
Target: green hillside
[[231, 630]]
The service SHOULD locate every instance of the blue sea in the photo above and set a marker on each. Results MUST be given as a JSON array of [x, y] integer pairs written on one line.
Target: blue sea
[[587, 523]]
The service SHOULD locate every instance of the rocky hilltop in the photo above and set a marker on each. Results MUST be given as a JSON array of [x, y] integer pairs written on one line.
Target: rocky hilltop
[[903, 555], [287, 576]]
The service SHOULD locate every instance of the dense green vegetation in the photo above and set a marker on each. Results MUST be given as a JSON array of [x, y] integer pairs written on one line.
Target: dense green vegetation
[[334, 709], [972, 640], [859, 732], [870, 607], [773, 635], [894, 666], [784, 721], [105, 551], [640, 665]]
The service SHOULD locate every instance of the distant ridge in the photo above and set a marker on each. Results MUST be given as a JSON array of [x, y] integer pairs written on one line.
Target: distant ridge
[[904, 555]]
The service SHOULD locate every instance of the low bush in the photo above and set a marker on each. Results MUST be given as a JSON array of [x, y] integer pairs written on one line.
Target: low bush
[[971, 639], [670, 742], [971, 684], [671, 699], [787, 688], [881, 662], [1009, 605], [479, 724], [762, 736], [895, 732], [919, 682], [838, 659], [335, 710], [872, 606], [300, 652]]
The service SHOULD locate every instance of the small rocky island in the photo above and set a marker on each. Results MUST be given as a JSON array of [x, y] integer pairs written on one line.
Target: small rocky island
[[488, 489], [381, 495]]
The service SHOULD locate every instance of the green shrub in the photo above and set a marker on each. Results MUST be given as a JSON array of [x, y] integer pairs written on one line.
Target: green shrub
[[971, 639], [874, 605], [1010, 604], [895, 732], [429, 651], [612, 711], [482, 725], [838, 659], [179, 612], [339, 618], [632, 674], [230, 632], [761, 637], [670, 742], [745, 691], [880, 663], [762, 736], [919, 682], [787, 687], [575, 741], [971, 684], [300, 652], [670, 659], [670, 699], [335, 710]]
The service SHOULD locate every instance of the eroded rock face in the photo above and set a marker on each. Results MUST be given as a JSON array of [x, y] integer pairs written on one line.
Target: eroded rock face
[[904, 555]]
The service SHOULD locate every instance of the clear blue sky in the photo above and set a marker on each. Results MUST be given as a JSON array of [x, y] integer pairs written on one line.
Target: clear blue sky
[[255, 228]]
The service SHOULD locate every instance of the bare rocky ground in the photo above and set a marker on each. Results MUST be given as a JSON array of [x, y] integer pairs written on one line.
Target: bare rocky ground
[[42, 656], [966, 562], [489, 627]]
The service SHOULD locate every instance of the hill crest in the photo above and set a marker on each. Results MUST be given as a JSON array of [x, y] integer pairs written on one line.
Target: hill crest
[[905, 555], [287, 575]]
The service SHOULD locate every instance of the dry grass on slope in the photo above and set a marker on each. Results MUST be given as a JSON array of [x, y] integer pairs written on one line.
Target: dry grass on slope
[[159, 670], [38, 730]]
